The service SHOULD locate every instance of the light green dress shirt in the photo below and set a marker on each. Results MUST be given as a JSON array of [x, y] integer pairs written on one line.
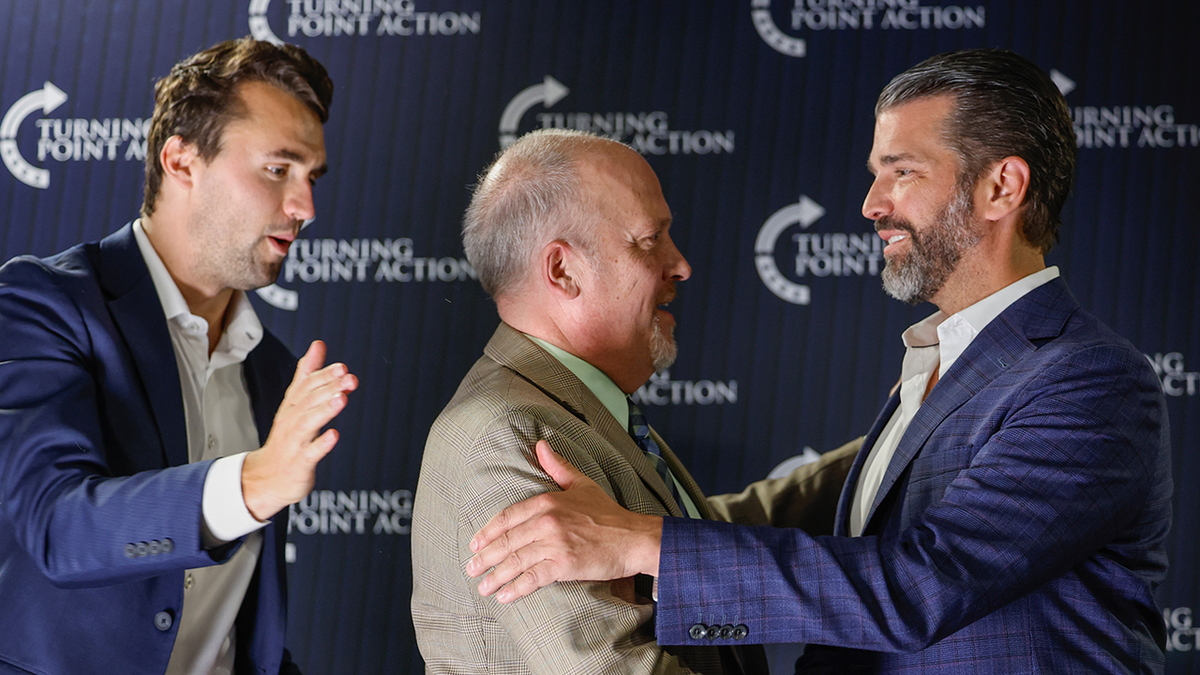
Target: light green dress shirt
[[611, 397]]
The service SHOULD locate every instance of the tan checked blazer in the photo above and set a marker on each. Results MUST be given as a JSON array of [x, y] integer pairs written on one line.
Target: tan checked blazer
[[478, 460]]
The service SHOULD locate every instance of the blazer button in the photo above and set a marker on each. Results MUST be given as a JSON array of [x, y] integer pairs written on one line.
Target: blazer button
[[130, 551], [698, 631], [713, 632], [740, 631], [166, 545], [726, 631], [163, 620]]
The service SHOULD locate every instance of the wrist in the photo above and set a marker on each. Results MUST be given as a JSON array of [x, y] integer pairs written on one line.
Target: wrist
[[254, 494], [648, 544]]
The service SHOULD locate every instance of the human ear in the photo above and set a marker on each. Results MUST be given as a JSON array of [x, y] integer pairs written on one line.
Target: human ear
[[178, 158], [1005, 186], [559, 267]]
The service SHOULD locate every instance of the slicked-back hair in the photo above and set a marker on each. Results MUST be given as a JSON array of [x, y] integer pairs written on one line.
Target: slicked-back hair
[[200, 97], [529, 196], [1004, 106]]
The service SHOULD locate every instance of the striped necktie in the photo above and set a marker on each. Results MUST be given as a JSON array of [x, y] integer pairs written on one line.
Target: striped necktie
[[640, 430]]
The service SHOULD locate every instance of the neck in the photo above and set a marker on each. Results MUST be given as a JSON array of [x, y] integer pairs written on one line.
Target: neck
[[207, 302], [985, 271], [561, 332]]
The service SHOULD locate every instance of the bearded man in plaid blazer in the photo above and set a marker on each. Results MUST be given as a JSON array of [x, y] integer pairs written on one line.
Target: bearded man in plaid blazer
[[1009, 509]]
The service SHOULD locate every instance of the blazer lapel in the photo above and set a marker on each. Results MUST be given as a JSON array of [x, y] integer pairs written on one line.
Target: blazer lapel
[[841, 525], [511, 349], [685, 480], [1039, 314], [138, 315]]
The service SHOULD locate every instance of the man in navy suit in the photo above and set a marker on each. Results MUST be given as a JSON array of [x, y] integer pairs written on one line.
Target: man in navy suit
[[1008, 510], [148, 433]]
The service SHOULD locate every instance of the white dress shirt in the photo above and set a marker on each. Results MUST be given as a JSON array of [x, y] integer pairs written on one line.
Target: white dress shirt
[[937, 341], [220, 424]]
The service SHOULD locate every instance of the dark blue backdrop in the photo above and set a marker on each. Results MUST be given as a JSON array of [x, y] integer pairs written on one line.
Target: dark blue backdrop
[[744, 109]]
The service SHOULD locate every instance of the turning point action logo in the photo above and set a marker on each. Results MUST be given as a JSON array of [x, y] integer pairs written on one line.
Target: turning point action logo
[[662, 390], [335, 18], [824, 15], [1181, 634], [1124, 126], [1173, 375], [837, 254], [359, 261], [64, 140], [647, 132]]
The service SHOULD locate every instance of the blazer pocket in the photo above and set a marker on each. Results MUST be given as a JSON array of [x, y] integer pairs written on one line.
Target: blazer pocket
[[940, 464]]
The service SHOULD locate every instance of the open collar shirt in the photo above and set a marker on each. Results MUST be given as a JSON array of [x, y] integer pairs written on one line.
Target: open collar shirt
[[220, 426], [935, 342]]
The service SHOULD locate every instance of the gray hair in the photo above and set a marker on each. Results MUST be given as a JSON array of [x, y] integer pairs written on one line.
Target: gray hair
[[1005, 106], [528, 196]]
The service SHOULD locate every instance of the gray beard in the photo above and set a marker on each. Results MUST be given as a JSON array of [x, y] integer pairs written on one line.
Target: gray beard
[[934, 254], [663, 349]]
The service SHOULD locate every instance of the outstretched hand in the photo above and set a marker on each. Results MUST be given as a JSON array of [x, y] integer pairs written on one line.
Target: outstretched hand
[[283, 470], [577, 534]]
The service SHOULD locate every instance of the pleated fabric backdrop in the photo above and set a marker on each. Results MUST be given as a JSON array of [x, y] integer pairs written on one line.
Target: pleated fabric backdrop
[[757, 116]]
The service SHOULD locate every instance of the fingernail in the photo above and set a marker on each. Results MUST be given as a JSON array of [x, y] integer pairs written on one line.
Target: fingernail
[[474, 546]]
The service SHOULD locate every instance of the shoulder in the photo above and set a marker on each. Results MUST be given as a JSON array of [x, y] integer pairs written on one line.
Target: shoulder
[[492, 395], [45, 297], [73, 266]]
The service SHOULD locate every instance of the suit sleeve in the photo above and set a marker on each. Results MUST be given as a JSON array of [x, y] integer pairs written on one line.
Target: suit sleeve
[[81, 523], [1067, 470], [806, 498], [573, 627]]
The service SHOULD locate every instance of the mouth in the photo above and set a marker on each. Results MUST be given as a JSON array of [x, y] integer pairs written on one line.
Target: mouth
[[895, 240], [281, 242], [661, 307]]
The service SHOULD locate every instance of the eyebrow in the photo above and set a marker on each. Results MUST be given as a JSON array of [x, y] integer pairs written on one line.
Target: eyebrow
[[293, 156], [888, 160]]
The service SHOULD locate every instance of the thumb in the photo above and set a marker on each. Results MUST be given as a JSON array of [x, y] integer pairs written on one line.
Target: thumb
[[559, 469]]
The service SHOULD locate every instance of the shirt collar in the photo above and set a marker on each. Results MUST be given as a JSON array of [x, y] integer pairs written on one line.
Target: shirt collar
[[242, 333], [169, 296], [601, 385], [952, 335]]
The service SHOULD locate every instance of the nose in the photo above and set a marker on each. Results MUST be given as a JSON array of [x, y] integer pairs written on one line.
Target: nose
[[298, 204], [876, 204], [677, 267]]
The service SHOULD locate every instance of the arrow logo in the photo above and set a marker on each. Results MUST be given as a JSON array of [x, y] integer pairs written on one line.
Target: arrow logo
[[805, 212], [549, 92], [770, 33], [47, 98], [259, 28], [1065, 84]]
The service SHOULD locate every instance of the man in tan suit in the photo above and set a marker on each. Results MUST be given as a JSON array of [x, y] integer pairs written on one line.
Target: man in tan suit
[[569, 233]]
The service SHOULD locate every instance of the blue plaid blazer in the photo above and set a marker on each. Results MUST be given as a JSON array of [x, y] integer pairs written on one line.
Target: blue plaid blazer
[[1020, 527]]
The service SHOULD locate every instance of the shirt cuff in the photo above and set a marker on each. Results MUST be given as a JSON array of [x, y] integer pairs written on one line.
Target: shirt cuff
[[225, 514]]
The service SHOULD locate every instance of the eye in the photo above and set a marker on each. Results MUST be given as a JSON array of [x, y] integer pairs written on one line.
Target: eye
[[277, 171]]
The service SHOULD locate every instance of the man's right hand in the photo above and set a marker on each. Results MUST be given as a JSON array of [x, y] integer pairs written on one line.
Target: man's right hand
[[579, 534], [283, 471]]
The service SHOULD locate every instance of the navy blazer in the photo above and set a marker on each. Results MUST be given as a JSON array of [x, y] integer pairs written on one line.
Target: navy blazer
[[100, 510], [1020, 527]]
